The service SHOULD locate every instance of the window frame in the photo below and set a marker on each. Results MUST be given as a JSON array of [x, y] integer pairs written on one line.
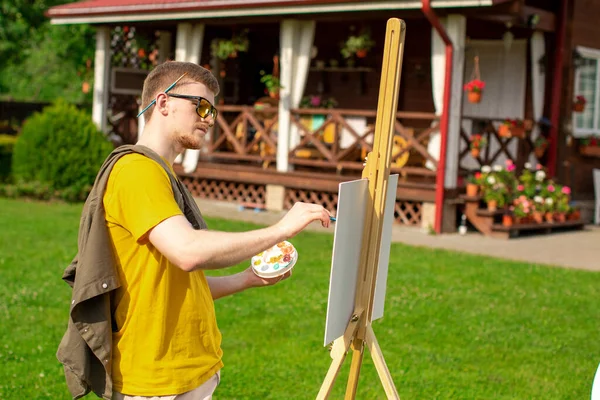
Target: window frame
[[593, 54]]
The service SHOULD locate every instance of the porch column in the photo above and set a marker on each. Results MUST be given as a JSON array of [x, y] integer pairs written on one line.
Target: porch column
[[193, 53], [303, 42], [296, 40], [538, 83], [457, 30], [164, 49], [101, 75], [184, 31], [286, 72]]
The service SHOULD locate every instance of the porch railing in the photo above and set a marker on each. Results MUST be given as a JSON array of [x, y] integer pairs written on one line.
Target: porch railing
[[244, 133], [341, 139], [330, 140], [519, 150]]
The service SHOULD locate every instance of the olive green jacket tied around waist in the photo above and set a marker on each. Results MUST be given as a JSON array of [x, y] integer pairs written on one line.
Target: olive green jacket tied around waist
[[86, 348]]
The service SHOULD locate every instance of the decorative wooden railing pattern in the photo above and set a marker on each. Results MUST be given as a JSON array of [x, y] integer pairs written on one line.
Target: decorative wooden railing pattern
[[499, 149], [244, 133], [322, 148]]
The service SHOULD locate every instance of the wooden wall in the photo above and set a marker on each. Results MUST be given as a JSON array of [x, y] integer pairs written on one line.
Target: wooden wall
[[583, 30], [347, 87]]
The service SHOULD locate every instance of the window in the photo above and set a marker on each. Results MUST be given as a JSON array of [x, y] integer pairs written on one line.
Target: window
[[587, 84]]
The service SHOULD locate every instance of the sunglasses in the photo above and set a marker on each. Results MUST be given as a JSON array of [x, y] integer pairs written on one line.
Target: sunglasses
[[203, 107]]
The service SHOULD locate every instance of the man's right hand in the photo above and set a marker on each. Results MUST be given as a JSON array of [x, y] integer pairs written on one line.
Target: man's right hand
[[300, 216]]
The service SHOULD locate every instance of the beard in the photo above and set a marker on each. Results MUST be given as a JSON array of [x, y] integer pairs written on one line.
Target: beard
[[189, 141]]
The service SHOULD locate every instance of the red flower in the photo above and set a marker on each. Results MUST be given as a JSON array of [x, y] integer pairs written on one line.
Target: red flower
[[475, 85]]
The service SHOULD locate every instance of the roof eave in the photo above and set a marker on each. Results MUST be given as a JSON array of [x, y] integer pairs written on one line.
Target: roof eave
[[170, 12]]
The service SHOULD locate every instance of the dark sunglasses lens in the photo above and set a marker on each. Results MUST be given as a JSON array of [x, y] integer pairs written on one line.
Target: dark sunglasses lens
[[205, 109]]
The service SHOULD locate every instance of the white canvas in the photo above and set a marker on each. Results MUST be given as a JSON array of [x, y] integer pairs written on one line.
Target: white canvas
[[347, 244]]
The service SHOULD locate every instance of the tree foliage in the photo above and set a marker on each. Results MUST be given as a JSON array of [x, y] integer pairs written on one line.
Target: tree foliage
[[40, 61]]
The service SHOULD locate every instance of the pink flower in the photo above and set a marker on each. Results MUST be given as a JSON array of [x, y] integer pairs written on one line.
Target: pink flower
[[509, 162], [315, 101], [520, 188], [539, 167], [510, 167], [551, 188], [566, 190]]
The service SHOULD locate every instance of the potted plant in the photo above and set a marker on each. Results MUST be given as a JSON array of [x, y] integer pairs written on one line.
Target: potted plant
[[478, 142], [473, 184], [539, 146], [521, 212], [272, 84], [474, 88], [512, 127], [590, 146], [357, 45], [579, 104], [229, 48], [508, 218]]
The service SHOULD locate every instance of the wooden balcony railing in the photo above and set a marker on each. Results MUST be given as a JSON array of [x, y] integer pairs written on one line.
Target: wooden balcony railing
[[517, 149], [342, 138], [244, 133]]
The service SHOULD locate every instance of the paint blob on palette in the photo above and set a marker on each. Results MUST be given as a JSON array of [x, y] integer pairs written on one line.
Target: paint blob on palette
[[275, 261]]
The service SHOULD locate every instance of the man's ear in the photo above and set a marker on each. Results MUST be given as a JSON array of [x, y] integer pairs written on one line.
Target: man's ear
[[161, 103]]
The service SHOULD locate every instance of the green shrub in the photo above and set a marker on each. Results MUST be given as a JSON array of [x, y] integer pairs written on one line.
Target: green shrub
[[61, 149], [7, 143]]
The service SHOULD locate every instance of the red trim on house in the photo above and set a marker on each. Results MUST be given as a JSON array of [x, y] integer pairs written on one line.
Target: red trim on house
[[557, 88], [111, 7], [441, 167]]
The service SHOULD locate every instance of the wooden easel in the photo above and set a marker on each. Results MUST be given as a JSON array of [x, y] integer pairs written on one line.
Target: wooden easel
[[377, 170]]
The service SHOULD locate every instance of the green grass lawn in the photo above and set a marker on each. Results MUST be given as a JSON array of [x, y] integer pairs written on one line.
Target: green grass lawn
[[456, 326]]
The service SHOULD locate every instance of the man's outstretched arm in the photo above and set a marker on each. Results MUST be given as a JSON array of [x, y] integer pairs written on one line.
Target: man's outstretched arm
[[192, 249]]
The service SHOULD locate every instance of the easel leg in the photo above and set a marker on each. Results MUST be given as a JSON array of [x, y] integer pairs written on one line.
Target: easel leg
[[380, 366], [334, 369], [358, 347]]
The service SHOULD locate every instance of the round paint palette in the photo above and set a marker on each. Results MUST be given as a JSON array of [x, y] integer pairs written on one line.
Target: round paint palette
[[275, 261]]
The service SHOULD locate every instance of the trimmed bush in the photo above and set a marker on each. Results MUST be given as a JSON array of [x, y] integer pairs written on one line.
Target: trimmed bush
[[7, 143], [62, 149]]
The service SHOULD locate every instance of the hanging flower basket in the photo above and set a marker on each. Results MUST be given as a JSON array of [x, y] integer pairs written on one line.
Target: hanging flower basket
[[579, 104], [474, 89], [475, 86]]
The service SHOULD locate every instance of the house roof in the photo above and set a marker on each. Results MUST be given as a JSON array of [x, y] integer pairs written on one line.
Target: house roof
[[112, 11]]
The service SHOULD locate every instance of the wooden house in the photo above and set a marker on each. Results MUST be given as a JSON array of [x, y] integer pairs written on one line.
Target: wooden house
[[535, 56]]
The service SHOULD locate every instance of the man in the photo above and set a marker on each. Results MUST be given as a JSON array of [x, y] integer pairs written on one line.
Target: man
[[166, 341]]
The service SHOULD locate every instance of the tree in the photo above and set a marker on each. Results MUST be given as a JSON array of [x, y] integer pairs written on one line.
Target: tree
[[40, 61]]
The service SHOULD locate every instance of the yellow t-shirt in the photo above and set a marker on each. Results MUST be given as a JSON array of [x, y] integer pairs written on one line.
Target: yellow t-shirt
[[167, 340]]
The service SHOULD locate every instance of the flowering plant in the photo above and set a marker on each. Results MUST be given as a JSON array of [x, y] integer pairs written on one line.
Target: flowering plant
[[475, 85], [316, 101], [478, 142], [591, 141], [580, 100], [514, 123], [540, 143], [477, 178]]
